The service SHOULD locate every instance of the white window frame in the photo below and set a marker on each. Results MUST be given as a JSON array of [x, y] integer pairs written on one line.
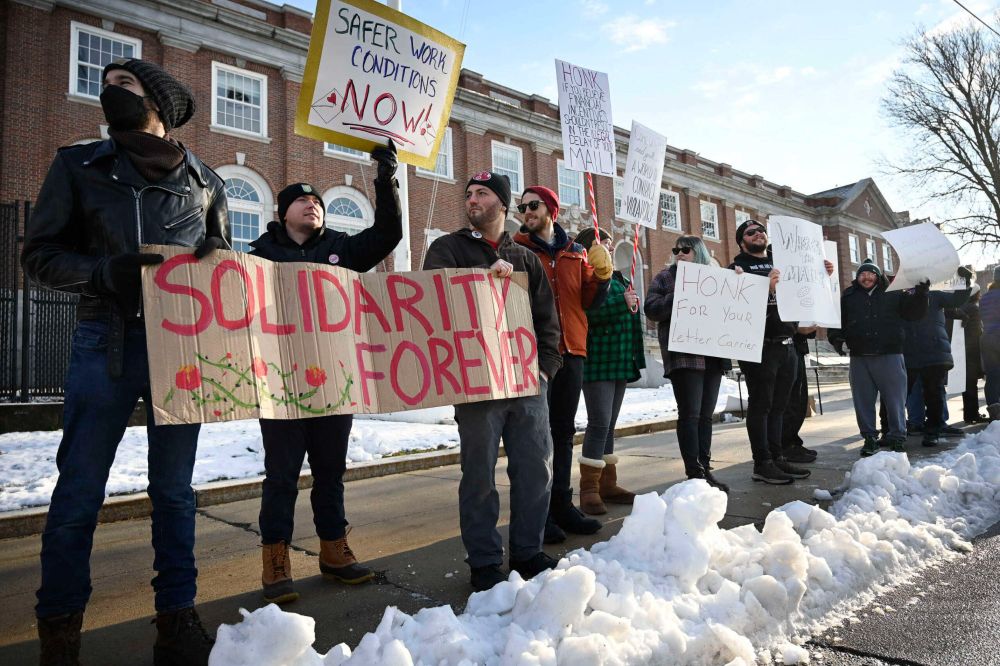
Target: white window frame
[[887, 258], [75, 29], [705, 206], [216, 68], [265, 208], [619, 189], [741, 216], [872, 249], [562, 171], [446, 153], [853, 249], [357, 197], [342, 152], [515, 188], [665, 212]]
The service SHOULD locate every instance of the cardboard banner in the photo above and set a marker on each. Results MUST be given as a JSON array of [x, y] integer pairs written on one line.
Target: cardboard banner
[[374, 73], [236, 337], [718, 313], [803, 292], [585, 112], [956, 376], [924, 254], [643, 176]]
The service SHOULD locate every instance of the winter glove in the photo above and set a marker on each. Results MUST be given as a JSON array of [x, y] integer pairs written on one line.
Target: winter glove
[[385, 158], [600, 259], [120, 277], [208, 246], [964, 272], [922, 287]]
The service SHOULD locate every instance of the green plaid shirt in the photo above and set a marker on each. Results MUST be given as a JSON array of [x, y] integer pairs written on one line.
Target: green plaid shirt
[[614, 338]]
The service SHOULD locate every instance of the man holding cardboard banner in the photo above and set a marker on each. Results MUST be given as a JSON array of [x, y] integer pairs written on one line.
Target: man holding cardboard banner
[[100, 202], [300, 235], [522, 422], [579, 279]]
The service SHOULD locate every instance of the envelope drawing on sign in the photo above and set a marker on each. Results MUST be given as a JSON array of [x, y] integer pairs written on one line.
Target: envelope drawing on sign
[[327, 106], [428, 133]]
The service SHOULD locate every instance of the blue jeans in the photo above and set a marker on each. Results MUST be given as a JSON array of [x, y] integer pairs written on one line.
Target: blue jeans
[[96, 412]]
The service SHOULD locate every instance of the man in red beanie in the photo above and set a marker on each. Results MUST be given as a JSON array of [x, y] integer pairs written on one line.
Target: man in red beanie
[[579, 280]]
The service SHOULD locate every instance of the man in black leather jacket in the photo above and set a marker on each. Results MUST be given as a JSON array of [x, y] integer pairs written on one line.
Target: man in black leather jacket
[[99, 204], [300, 235]]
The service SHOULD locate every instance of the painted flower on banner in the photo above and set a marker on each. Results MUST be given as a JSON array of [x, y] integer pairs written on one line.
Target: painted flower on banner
[[259, 366], [188, 378], [315, 376]]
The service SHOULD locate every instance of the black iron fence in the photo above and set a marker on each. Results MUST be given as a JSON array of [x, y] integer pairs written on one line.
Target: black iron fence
[[36, 324]]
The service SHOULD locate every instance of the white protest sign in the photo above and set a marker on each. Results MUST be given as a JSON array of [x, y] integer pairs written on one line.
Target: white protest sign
[[924, 254], [718, 313], [956, 376], [374, 74], [643, 175], [830, 252], [803, 292], [955, 283], [585, 112]]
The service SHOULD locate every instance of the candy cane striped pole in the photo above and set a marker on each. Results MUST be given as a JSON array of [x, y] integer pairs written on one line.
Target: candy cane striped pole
[[593, 206]]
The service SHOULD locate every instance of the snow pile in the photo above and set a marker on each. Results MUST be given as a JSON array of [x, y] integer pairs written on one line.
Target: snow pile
[[672, 587]]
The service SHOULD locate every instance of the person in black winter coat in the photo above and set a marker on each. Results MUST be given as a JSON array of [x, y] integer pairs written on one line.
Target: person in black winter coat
[[927, 350], [972, 327], [300, 235], [871, 321]]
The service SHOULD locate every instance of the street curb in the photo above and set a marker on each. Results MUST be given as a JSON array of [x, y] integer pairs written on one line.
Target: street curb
[[26, 522]]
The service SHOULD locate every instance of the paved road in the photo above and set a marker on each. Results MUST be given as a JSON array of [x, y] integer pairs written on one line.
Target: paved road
[[405, 526]]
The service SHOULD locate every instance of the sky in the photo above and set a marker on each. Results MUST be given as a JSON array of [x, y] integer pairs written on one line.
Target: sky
[[786, 89]]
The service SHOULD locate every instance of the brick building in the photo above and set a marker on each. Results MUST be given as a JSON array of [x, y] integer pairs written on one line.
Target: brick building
[[244, 61]]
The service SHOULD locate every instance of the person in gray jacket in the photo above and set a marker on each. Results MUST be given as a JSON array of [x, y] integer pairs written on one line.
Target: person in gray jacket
[[522, 422]]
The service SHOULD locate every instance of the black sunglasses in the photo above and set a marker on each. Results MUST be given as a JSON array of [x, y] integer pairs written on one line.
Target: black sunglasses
[[682, 250], [533, 205], [753, 231]]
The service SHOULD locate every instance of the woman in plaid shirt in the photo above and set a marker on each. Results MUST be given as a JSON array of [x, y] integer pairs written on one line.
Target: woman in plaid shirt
[[614, 358], [695, 379]]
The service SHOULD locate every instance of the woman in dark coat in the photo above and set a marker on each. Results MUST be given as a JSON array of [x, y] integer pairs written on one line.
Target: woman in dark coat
[[972, 324], [696, 379]]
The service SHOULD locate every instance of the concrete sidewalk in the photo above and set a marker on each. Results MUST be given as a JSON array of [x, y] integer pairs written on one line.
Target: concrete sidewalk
[[404, 525]]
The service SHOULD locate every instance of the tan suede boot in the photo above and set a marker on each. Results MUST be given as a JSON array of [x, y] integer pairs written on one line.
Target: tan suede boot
[[590, 479], [610, 490], [337, 561], [277, 574]]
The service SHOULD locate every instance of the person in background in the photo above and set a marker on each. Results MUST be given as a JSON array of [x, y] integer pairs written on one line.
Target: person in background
[[615, 355], [695, 379], [989, 344], [798, 404], [972, 326], [301, 235]]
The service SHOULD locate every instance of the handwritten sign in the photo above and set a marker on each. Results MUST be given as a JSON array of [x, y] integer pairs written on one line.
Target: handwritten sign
[[955, 283], [234, 337], [956, 376], [374, 73], [924, 254], [803, 292], [718, 313], [643, 175], [585, 112]]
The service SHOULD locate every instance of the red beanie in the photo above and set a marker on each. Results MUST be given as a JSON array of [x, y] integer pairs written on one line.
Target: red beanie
[[548, 197]]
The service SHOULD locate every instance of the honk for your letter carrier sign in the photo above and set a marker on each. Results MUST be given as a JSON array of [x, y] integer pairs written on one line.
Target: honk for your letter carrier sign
[[236, 337], [374, 73]]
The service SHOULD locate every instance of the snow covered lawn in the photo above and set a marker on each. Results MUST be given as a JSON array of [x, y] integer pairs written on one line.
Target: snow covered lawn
[[673, 588], [233, 450]]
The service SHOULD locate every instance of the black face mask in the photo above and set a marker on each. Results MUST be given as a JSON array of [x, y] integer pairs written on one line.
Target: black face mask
[[123, 109]]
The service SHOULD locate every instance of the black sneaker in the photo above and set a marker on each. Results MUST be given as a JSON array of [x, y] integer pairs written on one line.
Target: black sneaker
[[553, 533], [930, 439], [484, 578], [769, 473], [572, 520], [951, 431], [912, 429], [870, 447], [715, 483], [799, 454], [534, 565], [791, 470], [181, 640]]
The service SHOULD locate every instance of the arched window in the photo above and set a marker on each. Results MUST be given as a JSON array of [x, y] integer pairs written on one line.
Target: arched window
[[250, 206], [348, 210]]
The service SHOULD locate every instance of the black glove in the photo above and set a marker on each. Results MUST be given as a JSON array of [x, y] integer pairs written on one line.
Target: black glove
[[838, 346], [208, 246], [120, 278], [922, 287], [964, 272], [385, 157]]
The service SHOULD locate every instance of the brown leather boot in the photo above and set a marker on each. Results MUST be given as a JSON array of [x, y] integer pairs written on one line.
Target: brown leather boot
[[59, 639], [610, 491], [590, 479], [276, 578], [336, 561]]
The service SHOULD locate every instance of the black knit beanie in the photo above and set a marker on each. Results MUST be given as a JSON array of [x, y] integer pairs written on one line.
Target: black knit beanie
[[293, 192], [740, 230], [869, 266], [499, 183], [173, 98]]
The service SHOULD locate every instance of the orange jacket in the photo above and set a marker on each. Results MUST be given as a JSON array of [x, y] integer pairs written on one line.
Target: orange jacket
[[573, 283]]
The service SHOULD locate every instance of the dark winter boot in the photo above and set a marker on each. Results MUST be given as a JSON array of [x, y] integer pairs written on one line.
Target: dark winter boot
[[181, 640], [553, 533], [610, 490], [930, 438], [534, 565], [590, 481], [336, 561], [791, 470], [568, 517], [799, 454], [277, 574], [59, 639], [484, 578], [769, 473], [898, 445], [870, 447]]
